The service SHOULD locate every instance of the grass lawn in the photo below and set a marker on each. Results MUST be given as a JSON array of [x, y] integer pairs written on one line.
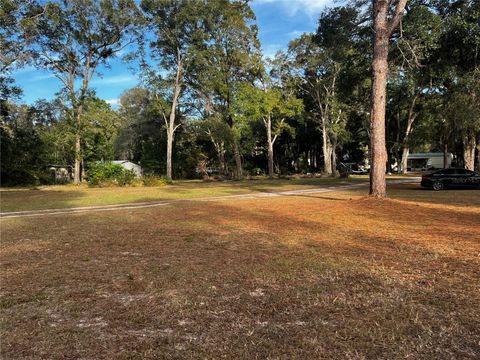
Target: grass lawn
[[66, 196], [330, 275]]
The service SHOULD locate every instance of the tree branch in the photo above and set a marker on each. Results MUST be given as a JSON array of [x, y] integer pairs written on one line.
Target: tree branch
[[395, 20]]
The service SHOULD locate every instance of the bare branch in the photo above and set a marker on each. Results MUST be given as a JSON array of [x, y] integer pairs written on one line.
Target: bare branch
[[165, 119], [395, 20]]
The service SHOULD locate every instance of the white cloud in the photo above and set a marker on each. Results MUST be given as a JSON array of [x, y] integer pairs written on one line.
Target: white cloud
[[113, 102], [296, 33], [292, 7], [42, 77], [270, 50], [113, 80]]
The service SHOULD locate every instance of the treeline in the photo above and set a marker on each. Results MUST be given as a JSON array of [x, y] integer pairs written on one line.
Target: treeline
[[208, 101]]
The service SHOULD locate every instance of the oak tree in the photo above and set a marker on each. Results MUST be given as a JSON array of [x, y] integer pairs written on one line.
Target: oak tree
[[72, 39]]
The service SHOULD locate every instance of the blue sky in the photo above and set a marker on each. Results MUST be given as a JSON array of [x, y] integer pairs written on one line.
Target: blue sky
[[279, 21]]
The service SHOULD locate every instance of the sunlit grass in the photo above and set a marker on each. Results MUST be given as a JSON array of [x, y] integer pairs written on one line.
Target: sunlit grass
[[65, 196]]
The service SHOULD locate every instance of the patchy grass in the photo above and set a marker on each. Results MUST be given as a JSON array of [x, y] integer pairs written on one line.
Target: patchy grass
[[66, 196], [334, 276]]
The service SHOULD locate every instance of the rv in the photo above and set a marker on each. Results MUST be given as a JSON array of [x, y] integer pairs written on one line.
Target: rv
[[428, 161]]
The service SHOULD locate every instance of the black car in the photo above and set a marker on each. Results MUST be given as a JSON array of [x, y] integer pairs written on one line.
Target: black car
[[453, 177]]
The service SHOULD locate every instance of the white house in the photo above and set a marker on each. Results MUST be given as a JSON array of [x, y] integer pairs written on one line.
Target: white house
[[129, 166]]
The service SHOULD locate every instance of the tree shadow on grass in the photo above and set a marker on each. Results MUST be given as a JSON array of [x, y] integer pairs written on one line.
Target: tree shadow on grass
[[281, 277], [67, 197], [451, 197], [38, 199]]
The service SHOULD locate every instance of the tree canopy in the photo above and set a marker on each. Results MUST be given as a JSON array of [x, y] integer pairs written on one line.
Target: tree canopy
[[208, 99]]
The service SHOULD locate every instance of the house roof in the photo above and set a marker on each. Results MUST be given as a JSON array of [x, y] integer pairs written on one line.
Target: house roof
[[123, 162], [60, 166]]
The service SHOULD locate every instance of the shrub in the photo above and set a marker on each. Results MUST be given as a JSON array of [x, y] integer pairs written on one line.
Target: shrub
[[22, 177], [154, 180], [108, 174], [127, 177]]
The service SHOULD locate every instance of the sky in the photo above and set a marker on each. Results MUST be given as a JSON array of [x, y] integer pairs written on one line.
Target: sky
[[279, 21]]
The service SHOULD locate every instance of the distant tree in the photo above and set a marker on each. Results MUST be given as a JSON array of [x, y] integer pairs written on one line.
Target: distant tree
[[417, 40], [101, 130], [140, 137], [179, 34], [316, 68], [71, 39], [272, 106], [25, 145], [231, 56], [218, 133], [457, 72], [462, 112], [316, 77]]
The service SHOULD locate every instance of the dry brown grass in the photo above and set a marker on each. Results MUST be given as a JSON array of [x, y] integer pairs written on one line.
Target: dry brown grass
[[334, 276]]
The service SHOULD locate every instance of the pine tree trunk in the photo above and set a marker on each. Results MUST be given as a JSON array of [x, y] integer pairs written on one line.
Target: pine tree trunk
[[379, 93], [469, 145]]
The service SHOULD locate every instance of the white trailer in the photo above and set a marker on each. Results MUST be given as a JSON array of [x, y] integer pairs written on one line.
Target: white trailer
[[428, 161]]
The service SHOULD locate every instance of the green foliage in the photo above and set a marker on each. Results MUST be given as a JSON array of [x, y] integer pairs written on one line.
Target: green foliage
[[109, 174], [179, 32], [101, 125], [228, 100], [270, 105], [13, 14], [79, 35], [71, 39], [24, 151]]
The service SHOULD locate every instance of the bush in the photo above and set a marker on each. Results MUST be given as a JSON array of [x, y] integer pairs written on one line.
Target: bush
[[154, 180], [108, 174]]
